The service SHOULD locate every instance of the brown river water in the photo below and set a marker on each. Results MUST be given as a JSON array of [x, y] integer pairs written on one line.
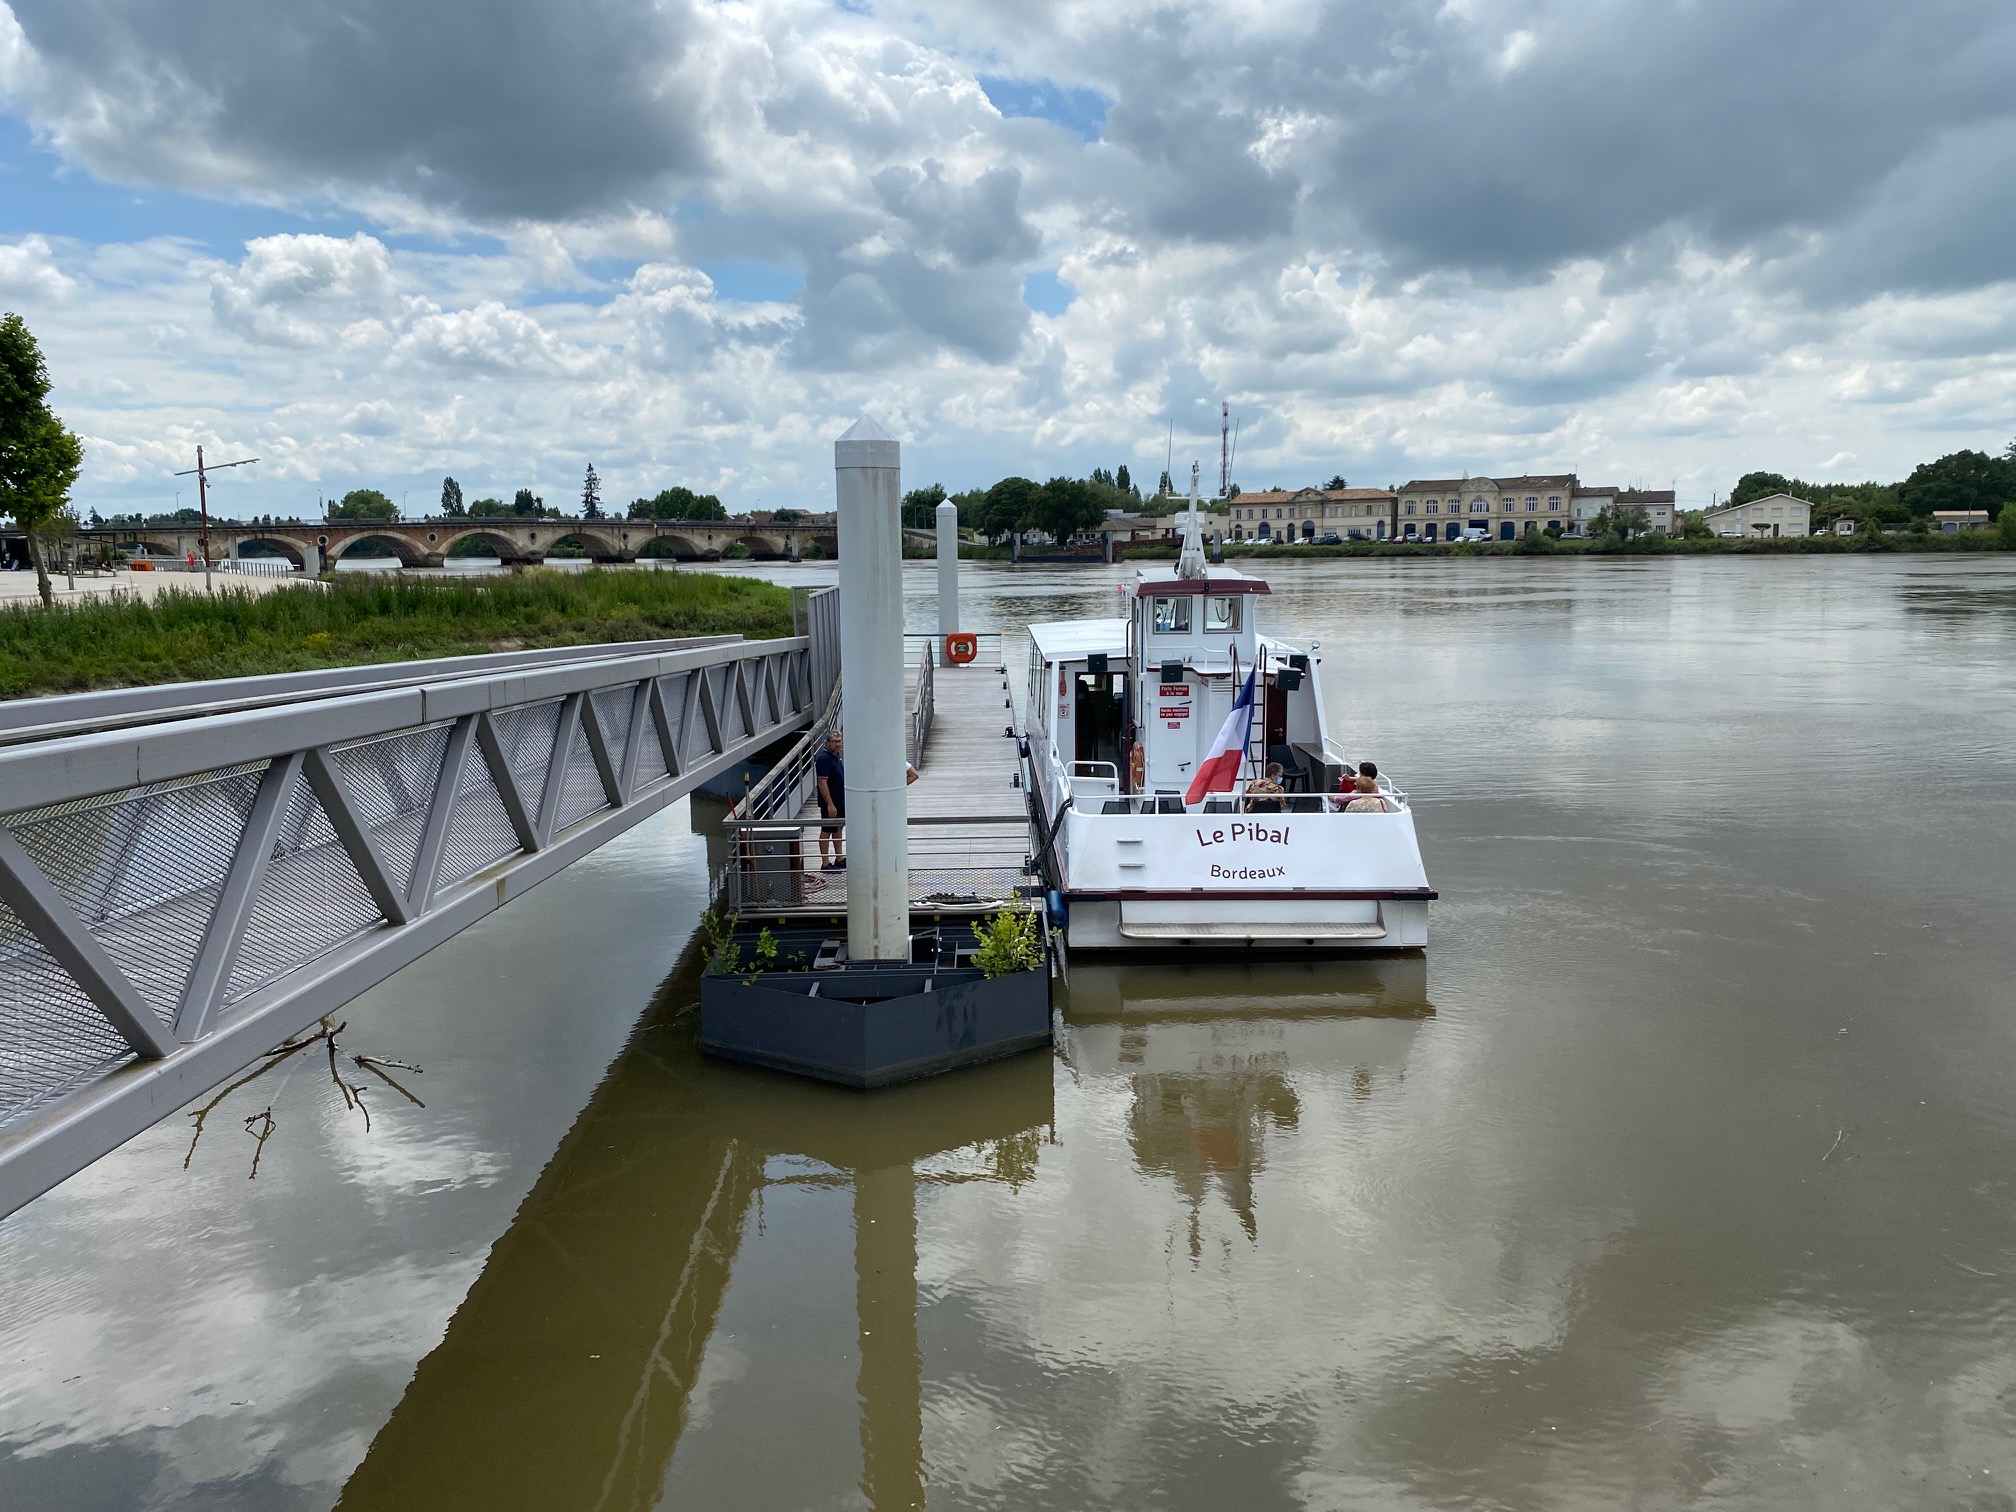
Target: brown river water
[[1679, 1172]]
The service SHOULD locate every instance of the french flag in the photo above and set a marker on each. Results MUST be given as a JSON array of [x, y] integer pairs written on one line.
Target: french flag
[[1221, 768]]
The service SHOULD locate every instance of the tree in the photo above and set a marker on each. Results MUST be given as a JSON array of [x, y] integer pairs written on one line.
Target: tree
[[1630, 520], [38, 465], [591, 495], [678, 503], [1165, 487], [1010, 506], [2006, 522], [787, 516], [1124, 483], [1065, 506], [1959, 480], [1761, 485], [39, 457], [487, 509], [364, 504], [527, 505], [920, 506], [451, 499], [1336, 481]]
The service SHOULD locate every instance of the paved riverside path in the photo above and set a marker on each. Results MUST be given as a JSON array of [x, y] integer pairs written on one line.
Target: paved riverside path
[[966, 772]]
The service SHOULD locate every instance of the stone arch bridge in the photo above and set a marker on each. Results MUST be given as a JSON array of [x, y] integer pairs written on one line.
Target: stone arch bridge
[[427, 543]]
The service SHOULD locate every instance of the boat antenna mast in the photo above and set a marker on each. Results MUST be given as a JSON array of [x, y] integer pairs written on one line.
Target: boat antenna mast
[[1224, 448], [1190, 563]]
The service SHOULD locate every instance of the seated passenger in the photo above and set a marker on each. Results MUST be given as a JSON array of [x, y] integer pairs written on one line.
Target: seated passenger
[[1366, 784], [1264, 794]]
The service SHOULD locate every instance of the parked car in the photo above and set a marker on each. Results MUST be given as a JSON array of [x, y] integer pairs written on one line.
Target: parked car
[[1329, 538], [1476, 533]]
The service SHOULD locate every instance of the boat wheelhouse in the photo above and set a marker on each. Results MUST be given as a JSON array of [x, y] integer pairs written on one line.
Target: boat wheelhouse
[[1123, 713]]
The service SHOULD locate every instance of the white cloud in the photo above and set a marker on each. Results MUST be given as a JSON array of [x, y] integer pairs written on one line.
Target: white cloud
[[1622, 238], [28, 270]]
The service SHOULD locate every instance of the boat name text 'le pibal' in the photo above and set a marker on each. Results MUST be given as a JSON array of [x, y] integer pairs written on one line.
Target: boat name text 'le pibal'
[[1244, 831]]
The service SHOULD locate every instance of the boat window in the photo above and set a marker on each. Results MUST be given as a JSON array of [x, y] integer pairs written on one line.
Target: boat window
[[1172, 616], [1221, 614]]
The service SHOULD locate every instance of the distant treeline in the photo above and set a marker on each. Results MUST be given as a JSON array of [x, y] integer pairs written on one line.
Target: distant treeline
[[1060, 508], [1958, 480]]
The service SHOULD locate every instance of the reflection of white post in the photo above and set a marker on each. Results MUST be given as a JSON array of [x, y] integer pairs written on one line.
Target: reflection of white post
[[948, 567], [867, 470]]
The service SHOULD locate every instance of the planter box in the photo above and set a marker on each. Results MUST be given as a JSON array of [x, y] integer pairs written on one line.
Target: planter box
[[873, 1024]]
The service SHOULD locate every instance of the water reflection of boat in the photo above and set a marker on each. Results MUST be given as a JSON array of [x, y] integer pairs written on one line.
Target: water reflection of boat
[[1394, 986], [1220, 1058], [565, 1378]]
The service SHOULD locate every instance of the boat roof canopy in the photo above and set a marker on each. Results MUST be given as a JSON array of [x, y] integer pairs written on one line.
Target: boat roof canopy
[[1217, 581], [1074, 640]]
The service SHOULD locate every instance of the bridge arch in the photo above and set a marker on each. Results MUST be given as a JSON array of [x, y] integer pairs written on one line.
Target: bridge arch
[[499, 543], [600, 547], [665, 543], [273, 546], [391, 545], [762, 548]]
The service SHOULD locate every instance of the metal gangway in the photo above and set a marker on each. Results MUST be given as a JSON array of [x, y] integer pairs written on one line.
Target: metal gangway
[[191, 875]]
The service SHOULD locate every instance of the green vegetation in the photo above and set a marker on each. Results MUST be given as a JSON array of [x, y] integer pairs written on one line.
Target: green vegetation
[[1010, 941], [1958, 480], [678, 503], [104, 643], [364, 504], [39, 457]]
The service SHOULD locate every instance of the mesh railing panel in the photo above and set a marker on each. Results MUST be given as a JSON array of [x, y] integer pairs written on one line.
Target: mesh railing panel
[[479, 831], [673, 691], [52, 1039], [581, 792], [526, 736], [612, 712], [651, 758], [310, 902], [391, 784], [143, 869]]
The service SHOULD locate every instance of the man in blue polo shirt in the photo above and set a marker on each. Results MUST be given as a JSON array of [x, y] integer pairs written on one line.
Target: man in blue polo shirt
[[829, 771], [831, 774]]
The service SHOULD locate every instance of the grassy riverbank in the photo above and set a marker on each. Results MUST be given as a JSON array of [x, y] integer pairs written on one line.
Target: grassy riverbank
[[104, 643], [1970, 541]]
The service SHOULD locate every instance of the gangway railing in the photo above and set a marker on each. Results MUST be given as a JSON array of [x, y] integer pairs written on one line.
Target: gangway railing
[[177, 897], [921, 709], [958, 865]]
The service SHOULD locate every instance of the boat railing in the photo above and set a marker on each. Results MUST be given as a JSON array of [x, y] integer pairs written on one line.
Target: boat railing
[[1394, 801], [1094, 781]]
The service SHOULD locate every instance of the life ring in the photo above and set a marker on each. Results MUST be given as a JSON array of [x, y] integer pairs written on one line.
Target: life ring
[[1137, 767], [961, 646]]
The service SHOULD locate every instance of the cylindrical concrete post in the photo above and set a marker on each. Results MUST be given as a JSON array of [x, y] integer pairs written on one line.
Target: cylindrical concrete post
[[868, 488], [948, 567]]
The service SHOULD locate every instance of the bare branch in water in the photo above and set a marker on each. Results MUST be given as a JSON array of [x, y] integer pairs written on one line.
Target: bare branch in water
[[261, 1125], [373, 1065]]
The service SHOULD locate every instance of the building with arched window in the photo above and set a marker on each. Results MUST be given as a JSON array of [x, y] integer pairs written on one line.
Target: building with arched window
[[1309, 514]]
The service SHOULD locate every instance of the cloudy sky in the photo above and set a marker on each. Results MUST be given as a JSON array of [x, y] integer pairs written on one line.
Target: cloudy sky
[[376, 241]]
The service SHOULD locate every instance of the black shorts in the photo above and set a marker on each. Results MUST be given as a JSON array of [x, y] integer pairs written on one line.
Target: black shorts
[[834, 829]]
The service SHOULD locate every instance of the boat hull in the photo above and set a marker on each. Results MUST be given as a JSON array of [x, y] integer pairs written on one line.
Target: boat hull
[[1195, 883]]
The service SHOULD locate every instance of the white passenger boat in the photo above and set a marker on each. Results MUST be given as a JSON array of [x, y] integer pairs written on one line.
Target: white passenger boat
[[1125, 714]]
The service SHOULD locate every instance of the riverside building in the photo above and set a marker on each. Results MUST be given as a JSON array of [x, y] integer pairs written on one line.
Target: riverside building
[[1309, 514]]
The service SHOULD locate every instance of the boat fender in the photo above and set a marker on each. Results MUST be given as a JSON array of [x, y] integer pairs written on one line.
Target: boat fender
[[1137, 766], [1060, 916]]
